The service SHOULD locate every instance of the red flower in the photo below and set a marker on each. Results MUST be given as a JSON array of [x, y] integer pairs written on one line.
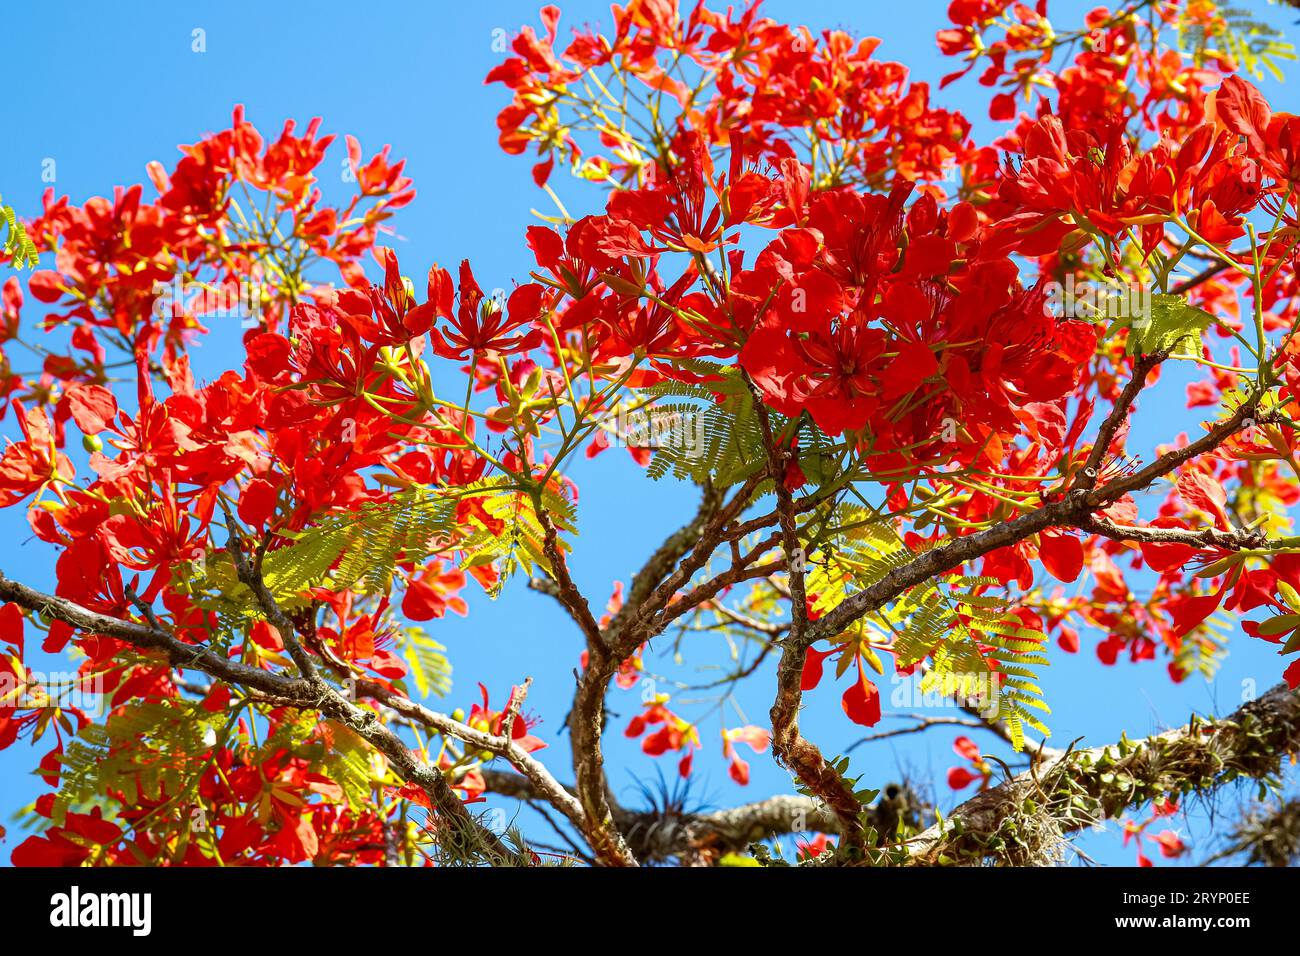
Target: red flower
[[1171, 845], [1061, 554], [860, 233], [959, 778], [433, 593], [328, 355], [756, 737], [389, 316], [861, 702], [483, 717], [33, 463], [481, 324]]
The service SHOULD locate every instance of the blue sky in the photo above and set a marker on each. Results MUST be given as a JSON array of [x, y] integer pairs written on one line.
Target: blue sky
[[105, 92]]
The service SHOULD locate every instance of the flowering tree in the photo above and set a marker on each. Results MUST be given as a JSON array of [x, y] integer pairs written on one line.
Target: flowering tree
[[899, 366]]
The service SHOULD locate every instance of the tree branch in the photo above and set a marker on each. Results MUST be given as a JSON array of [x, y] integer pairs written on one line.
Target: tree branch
[[1075, 790], [789, 746], [466, 832], [1200, 756], [1075, 511], [567, 592]]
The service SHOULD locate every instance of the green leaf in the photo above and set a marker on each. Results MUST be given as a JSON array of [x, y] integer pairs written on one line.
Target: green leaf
[[1279, 625], [18, 246], [1234, 32], [147, 750], [519, 545], [348, 764], [1172, 324], [430, 668]]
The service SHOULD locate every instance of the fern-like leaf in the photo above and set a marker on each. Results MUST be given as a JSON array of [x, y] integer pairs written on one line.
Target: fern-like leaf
[[18, 246]]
